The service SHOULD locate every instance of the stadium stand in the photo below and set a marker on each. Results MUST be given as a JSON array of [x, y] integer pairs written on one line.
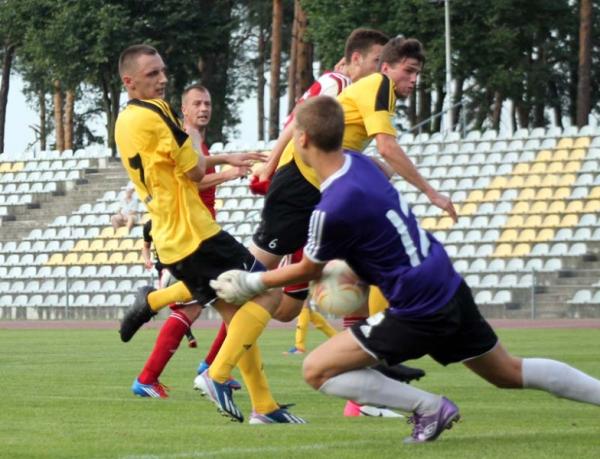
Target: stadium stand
[[527, 239]]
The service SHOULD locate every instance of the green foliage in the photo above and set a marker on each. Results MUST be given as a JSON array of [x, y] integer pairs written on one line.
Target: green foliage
[[66, 395]]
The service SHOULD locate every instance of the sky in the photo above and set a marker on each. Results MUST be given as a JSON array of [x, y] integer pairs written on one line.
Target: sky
[[20, 115]]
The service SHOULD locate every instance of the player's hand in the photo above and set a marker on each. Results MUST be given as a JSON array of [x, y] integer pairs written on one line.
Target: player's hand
[[444, 203], [238, 172], [340, 67], [237, 287], [245, 159]]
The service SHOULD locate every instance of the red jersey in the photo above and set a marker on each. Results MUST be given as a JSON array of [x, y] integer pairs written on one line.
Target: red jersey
[[208, 195]]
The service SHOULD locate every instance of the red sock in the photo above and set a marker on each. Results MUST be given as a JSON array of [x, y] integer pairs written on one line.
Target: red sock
[[166, 344], [216, 344], [351, 320]]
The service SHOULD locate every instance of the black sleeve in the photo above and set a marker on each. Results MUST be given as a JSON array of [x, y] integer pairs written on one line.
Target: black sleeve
[[147, 231]]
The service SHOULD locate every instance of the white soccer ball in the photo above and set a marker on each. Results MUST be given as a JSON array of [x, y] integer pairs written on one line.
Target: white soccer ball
[[339, 291]]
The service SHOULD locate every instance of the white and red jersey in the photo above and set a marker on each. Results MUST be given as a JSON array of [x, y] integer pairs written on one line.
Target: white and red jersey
[[329, 84]]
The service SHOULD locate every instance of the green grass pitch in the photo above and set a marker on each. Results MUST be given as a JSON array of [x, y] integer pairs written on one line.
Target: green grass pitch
[[66, 395]]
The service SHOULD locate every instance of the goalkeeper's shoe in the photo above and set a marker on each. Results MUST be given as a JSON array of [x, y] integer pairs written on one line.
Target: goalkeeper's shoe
[[137, 315], [400, 372], [220, 394], [429, 427], [156, 390], [278, 416]]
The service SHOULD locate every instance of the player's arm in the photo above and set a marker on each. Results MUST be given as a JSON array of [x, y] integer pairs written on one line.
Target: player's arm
[[401, 163], [268, 169], [217, 178]]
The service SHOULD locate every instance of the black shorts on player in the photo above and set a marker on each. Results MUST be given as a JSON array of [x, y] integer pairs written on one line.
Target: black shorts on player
[[288, 206], [216, 255], [455, 333]]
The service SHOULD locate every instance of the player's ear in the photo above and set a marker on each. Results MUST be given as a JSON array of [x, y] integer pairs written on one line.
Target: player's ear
[[356, 57]]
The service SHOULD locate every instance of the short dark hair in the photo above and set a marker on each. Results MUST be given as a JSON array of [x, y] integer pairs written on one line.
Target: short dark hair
[[362, 40], [197, 87], [322, 118], [400, 48], [131, 53]]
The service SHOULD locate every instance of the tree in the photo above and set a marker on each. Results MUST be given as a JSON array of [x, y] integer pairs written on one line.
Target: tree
[[275, 69], [585, 61]]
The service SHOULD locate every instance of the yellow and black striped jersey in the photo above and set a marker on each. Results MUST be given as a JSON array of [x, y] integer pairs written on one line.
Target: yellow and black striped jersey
[[156, 153], [369, 107]]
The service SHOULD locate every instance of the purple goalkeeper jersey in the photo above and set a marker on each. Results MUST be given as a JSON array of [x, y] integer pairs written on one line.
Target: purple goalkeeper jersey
[[363, 220]]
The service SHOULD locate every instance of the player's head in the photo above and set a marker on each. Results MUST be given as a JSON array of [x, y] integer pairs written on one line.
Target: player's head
[[362, 52], [402, 60], [196, 106], [143, 72], [319, 126]]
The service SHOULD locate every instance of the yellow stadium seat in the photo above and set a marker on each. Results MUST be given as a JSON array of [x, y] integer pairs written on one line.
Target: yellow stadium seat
[[533, 221], [595, 192], [475, 196], [218, 204], [550, 180], [127, 244], [86, 258], [115, 258], [544, 194], [565, 142], [468, 209], [582, 142], [544, 235], [55, 259], [100, 258], [561, 193], [526, 194], [567, 180], [520, 208], [572, 167], [521, 169], [577, 155], [444, 223], [539, 207], [538, 168], [592, 205], [499, 182], [428, 223], [544, 155], [527, 235], [533, 181], [111, 245], [515, 221], [5, 167], [492, 195], [569, 220], [71, 259], [509, 235], [139, 243], [516, 181], [97, 245], [557, 207], [82, 245], [18, 166], [121, 232], [574, 207], [107, 233], [521, 250], [555, 167], [561, 155], [132, 258], [551, 221], [503, 250]]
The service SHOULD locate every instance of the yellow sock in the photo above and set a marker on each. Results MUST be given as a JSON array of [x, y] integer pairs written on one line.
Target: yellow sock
[[321, 323], [302, 328], [177, 292], [253, 373], [377, 302], [245, 327]]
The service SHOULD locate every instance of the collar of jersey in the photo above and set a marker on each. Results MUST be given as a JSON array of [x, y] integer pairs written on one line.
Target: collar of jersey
[[337, 174]]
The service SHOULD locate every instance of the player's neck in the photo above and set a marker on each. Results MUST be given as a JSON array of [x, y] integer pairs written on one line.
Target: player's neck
[[327, 164]]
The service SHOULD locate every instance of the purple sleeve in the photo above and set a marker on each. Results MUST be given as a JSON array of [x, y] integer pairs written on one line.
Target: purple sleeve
[[326, 239]]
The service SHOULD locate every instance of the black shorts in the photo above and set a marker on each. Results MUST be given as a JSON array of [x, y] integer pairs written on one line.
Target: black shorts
[[455, 333], [216, 255], [286, 214]]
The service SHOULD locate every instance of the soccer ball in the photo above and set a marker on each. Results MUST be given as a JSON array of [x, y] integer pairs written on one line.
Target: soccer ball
[[339, 291]]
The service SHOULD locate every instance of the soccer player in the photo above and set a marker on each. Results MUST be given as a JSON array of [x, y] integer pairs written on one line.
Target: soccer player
[[363, 220], [165, 165]]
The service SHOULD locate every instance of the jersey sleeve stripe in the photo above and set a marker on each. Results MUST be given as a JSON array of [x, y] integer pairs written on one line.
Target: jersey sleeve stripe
[[179, 134], [315, 234], [382, 100]]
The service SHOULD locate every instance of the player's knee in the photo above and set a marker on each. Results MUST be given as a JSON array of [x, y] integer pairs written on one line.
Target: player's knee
[[312, 373], [192, 312]]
